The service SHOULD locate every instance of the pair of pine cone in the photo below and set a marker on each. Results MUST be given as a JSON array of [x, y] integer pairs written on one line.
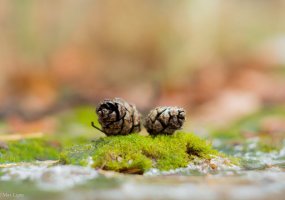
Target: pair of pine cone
[[118, 117]]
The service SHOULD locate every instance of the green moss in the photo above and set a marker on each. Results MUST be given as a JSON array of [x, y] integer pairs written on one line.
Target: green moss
[[77, 154], [135, 153], [267, 148], [29, 150]]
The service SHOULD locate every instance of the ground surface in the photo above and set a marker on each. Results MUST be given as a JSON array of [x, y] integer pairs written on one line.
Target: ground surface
[[256, 140]]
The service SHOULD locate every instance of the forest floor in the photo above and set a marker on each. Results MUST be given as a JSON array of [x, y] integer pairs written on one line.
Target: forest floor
[[30, 166]]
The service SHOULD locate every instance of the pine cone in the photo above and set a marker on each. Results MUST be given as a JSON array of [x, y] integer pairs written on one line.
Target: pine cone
[[117, 117], [164, 120]]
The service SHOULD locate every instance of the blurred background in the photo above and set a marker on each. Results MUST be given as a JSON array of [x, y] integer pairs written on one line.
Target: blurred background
[[220, 60]]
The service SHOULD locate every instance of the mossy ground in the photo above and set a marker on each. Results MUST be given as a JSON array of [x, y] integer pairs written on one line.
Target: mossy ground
[[73, 128], [243, 130], [29, 150], [136, 153]]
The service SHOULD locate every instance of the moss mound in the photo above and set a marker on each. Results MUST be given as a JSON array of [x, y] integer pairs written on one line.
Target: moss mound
[[28, 150], [135, 153]]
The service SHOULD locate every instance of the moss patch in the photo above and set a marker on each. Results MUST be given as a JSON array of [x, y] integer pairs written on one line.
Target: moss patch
[[135, 153], [29, 150]]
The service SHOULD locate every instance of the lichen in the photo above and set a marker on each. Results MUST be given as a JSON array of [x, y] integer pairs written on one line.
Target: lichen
[[135, 153], [29, 150]]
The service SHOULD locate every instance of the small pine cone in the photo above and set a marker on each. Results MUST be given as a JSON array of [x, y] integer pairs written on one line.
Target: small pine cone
[[164, 120], [117, 117]]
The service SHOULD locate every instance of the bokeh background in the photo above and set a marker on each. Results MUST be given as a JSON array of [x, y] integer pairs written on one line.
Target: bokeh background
[[218, 59]]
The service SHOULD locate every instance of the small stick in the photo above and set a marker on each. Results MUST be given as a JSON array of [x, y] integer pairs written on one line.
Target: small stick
[[93, 125]]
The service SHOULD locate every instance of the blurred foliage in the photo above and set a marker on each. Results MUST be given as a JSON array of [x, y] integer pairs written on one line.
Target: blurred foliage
[[182, 52], [264, 123], [77, 122]]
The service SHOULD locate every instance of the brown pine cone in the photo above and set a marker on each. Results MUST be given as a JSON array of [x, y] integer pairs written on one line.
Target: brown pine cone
[[117, 117], [164, 120]]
